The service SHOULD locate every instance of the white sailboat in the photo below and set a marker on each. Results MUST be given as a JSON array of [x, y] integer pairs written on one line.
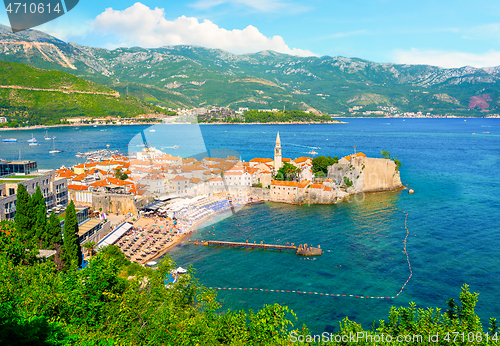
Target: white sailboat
[[47, 138], [32, 139], [54, 150]]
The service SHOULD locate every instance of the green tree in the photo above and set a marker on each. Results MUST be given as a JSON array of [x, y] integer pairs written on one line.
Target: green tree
[[321, 163], [39, 213], [23, 222], [53, 239], [386, 155], [288, 172], [90, 246], [72, 252], [119, 174]]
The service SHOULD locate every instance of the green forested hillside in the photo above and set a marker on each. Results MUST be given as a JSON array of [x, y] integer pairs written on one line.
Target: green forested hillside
[[32, 77], [62, 95]]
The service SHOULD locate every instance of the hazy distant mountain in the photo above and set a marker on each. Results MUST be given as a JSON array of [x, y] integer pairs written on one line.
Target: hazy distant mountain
[[197, 76]]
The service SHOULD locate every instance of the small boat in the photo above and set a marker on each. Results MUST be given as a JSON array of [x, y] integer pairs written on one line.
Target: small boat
[[176, 147], [153, 130], [32, 139], [33, 143], [54, 150], [46, 137], [312, 152], [10, 140]]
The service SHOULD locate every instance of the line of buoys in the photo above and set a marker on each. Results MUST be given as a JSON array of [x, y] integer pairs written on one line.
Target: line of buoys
[[406, 253], [335, 294], [299, 292]]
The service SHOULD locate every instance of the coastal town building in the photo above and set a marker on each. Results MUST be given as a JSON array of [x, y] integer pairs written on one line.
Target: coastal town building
[[53, 188], [14, 167]]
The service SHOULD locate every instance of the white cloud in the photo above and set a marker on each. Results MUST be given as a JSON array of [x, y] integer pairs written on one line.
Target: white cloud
[[446, 58], [139, 25]]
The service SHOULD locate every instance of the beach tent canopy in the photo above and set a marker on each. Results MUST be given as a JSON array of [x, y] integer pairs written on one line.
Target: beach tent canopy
[[154, 206], [112, 237]]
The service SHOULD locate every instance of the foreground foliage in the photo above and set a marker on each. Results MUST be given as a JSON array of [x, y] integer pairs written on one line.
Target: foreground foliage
[[115, 302], [103, 305]]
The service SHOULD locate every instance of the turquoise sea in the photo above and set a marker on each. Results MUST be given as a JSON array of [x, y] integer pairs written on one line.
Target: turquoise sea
[[454, 230]]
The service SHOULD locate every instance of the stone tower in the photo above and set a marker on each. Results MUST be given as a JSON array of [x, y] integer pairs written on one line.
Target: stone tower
[[277, 154]]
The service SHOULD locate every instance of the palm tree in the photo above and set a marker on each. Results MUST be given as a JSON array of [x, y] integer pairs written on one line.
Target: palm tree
[[90, 246]]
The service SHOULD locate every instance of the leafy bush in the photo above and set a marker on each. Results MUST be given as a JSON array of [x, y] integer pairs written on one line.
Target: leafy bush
[[347, 182]]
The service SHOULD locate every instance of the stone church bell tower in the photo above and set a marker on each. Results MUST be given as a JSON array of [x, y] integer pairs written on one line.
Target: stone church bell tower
[[277, 154]]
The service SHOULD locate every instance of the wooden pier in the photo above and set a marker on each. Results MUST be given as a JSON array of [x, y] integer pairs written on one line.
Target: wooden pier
[[310, 251], [250, 245]]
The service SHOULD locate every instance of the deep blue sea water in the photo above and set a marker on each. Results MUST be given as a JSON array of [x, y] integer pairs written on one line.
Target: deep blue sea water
[[452, 217]]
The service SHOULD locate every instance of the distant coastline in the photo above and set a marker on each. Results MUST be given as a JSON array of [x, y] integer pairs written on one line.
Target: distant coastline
[[278, 123], [43, 127]]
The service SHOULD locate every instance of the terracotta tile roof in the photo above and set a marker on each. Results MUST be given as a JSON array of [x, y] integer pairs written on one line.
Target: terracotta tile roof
[[86, 165], [328, 188], [303, 184], [66, 175], [188, 160], [178, 178], [302, 159], [100, 183], [261, 160], [286, 160], [233, 173], [118, 181], [79, 177], [216, 179], [78, 187], [348, 158], [284, 183], [194, 180]]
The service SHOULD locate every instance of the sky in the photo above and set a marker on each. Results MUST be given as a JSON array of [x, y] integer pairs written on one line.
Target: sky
[[434, 32]]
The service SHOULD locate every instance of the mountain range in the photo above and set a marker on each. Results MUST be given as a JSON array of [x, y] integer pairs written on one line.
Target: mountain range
[[191, 76]]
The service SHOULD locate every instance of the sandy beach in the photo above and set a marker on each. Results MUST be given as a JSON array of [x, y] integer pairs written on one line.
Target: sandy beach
[[152, 237]]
